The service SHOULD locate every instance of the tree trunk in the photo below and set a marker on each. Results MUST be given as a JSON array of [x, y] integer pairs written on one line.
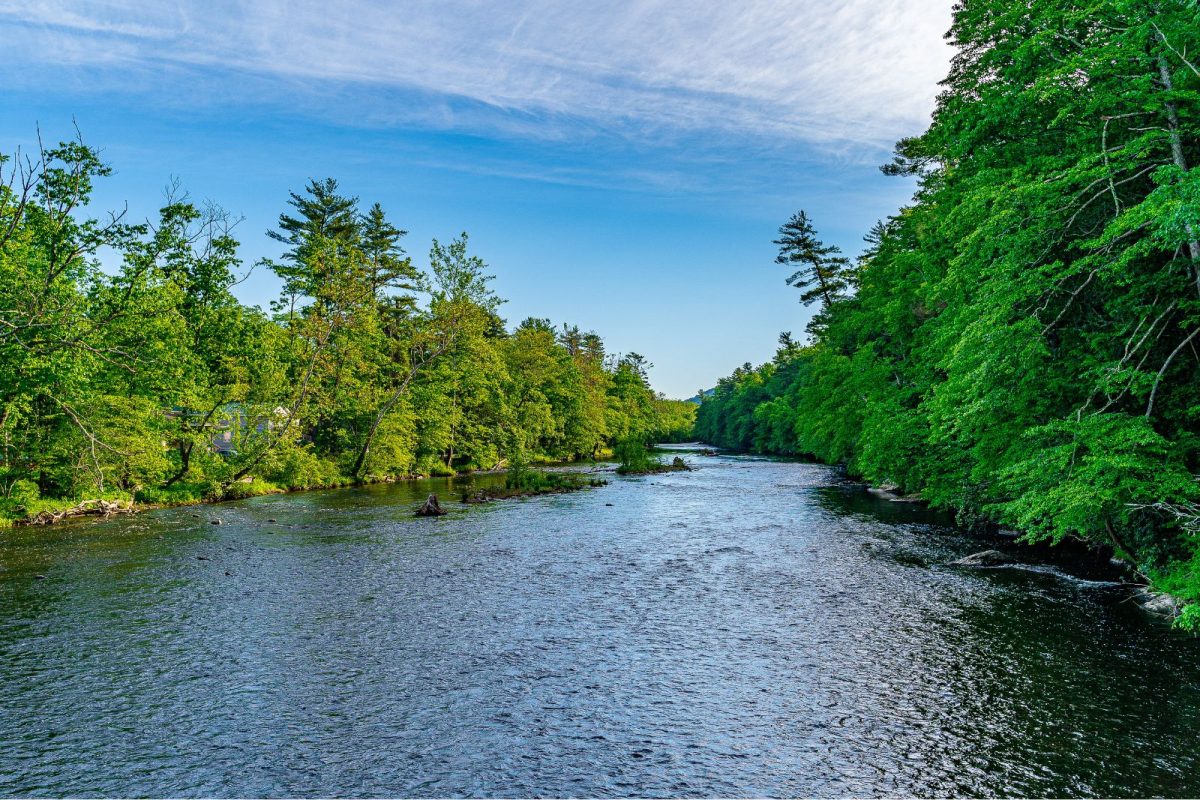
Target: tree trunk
[[1164, 74], [292, 412], [416, 367], [361, 461], [185, 463], [431, 508]]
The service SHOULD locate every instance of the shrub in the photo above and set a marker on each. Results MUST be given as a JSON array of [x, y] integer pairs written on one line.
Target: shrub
[[633, 456], [300, 468]]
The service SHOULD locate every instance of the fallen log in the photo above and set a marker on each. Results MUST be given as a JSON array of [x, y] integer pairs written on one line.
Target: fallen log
[[103, 508]]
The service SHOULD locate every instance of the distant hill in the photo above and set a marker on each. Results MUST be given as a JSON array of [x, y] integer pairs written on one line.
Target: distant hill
[[696, 398]]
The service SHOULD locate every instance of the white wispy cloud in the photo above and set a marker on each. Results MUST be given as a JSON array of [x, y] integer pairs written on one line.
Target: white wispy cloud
[[854, 73]]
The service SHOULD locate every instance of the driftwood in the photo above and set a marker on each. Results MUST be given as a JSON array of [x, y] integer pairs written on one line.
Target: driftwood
[[88, 508], [986, 558], [431, 508]]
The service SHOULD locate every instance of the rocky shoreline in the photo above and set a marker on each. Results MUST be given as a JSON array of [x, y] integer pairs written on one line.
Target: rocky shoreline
[[1153, 602]]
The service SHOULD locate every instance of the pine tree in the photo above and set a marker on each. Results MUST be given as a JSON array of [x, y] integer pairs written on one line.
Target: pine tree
[[820, 269], [391, 271], [328, 223]]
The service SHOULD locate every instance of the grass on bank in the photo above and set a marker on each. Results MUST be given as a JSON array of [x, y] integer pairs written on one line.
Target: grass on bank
[[24, 505]]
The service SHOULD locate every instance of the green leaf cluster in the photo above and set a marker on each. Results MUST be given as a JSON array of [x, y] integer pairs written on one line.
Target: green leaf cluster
[[129, 368], [1021, 343]]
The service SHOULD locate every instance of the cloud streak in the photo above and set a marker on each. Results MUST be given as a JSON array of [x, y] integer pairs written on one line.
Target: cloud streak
[[850, 74]]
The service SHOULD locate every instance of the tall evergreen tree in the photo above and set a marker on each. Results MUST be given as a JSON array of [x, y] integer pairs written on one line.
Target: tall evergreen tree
[[392, 276], [820, 271], [326, 224]]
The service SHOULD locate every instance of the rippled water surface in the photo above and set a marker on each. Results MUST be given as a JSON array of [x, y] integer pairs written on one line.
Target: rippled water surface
[[750, 628]]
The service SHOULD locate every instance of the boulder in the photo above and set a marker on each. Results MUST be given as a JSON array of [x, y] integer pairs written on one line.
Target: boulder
[[1157, 603], [985, 558], [431, 507]]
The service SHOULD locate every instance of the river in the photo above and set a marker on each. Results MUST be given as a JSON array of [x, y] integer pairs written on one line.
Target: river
[[753, 628]]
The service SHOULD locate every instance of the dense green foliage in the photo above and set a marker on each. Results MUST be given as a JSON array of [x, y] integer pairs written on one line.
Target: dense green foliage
[[633, 457], [1021, 344], [143, 376]]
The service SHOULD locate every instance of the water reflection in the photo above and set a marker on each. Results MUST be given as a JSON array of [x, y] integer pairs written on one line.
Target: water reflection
[[754, 627]]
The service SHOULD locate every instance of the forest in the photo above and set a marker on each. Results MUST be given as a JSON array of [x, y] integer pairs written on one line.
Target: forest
[[1021, 343], [130, 371]]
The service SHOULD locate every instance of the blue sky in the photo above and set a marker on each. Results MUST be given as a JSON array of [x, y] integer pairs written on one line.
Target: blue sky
[[622, 166]]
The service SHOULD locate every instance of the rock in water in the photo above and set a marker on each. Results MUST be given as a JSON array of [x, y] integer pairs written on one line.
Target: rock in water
[[986, 558], [432, 507], [679, 463], [1157, 603]]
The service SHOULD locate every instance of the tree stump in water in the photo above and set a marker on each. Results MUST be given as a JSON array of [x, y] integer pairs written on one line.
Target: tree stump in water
[[432, 507]]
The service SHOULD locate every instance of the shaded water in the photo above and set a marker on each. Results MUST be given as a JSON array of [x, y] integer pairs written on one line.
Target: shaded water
[[750, 628]]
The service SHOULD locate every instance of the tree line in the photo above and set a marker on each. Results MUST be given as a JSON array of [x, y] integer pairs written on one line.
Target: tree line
[[1021, 343], [129, 368]]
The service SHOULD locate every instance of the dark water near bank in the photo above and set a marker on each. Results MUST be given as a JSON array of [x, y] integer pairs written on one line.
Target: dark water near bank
[[746, 629]]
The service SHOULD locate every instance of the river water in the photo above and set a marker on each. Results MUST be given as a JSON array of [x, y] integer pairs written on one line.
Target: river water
[[752, 628]]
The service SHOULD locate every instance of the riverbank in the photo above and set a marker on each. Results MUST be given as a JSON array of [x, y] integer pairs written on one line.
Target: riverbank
[[44, 512], [1085, 559], [53, 511], [1079, 555]]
